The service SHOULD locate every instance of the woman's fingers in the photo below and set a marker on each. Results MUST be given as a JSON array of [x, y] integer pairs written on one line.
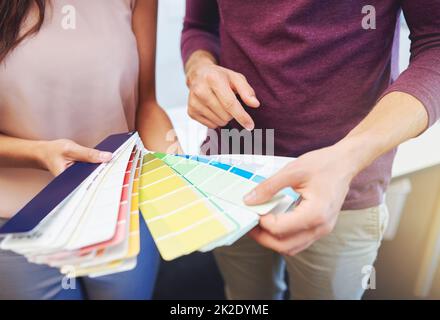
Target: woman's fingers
[[58, 168], [61, 154], [75, 152]]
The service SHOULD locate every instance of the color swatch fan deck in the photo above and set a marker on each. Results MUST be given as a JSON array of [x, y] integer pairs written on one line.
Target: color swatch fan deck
[[86, 221]]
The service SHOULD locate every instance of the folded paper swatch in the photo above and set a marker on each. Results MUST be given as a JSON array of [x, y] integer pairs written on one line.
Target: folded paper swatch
[[180, 218], [221, 180]]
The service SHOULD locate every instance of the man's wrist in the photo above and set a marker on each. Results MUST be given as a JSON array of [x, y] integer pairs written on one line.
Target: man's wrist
[[379, 132], [357, 152], [198, 59]]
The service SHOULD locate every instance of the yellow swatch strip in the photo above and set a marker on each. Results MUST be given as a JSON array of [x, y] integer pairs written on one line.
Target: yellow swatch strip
[[181, 220], [134, 244]]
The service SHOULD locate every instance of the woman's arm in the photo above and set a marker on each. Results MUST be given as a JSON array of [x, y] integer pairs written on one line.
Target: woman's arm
[[54, 156], [152, 122], [15, 152]]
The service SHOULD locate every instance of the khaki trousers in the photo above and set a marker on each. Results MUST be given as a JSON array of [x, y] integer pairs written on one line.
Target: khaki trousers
[[335, 267]]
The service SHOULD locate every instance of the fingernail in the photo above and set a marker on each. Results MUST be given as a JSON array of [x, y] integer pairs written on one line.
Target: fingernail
[[105, 156], [255, 100], [250, 197], [249, 126]]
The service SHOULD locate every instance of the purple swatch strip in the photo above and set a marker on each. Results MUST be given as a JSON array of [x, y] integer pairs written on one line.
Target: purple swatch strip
[[56, 191]]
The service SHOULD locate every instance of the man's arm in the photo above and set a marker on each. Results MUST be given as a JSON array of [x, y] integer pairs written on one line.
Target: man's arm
[[422, 78], [200, 29], [212, 99], [412, 103], [323, 177]]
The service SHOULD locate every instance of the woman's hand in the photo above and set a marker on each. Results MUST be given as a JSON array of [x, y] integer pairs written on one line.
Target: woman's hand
[[56, 156]]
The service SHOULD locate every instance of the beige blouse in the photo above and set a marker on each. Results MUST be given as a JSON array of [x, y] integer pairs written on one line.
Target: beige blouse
[[79, 84]]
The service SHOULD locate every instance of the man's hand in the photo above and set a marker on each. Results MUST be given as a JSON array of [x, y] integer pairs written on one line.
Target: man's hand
[[56, 156], [213, 89], [322, 178]]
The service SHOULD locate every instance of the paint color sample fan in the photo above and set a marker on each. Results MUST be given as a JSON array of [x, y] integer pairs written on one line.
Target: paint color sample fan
[[88, 217], [192, 203]]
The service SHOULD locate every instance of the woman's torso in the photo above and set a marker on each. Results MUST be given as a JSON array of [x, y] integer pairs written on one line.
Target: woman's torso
[[79, 84]]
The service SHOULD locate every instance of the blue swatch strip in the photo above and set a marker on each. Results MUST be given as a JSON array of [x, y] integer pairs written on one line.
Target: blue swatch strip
[[258, 179], [240, 172], [200, 159], [220, 165]]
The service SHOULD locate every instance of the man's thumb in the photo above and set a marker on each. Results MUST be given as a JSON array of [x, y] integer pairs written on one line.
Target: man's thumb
[[267, 189]]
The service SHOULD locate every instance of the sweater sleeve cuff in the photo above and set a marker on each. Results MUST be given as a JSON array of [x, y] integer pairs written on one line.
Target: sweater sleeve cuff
[[423, 84], [424, 97], [200, 41]]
